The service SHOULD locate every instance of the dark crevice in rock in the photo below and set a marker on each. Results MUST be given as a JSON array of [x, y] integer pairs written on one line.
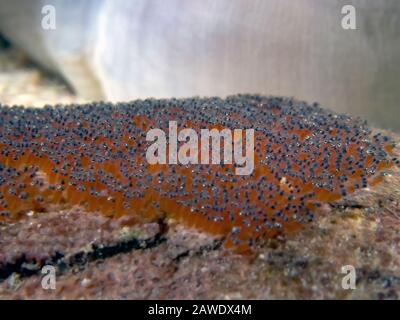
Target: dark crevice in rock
[[26, 268], [347, 204], [207, 248]]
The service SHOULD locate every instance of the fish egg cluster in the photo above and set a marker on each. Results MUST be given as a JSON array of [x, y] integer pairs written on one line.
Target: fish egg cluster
[[94, 156]]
